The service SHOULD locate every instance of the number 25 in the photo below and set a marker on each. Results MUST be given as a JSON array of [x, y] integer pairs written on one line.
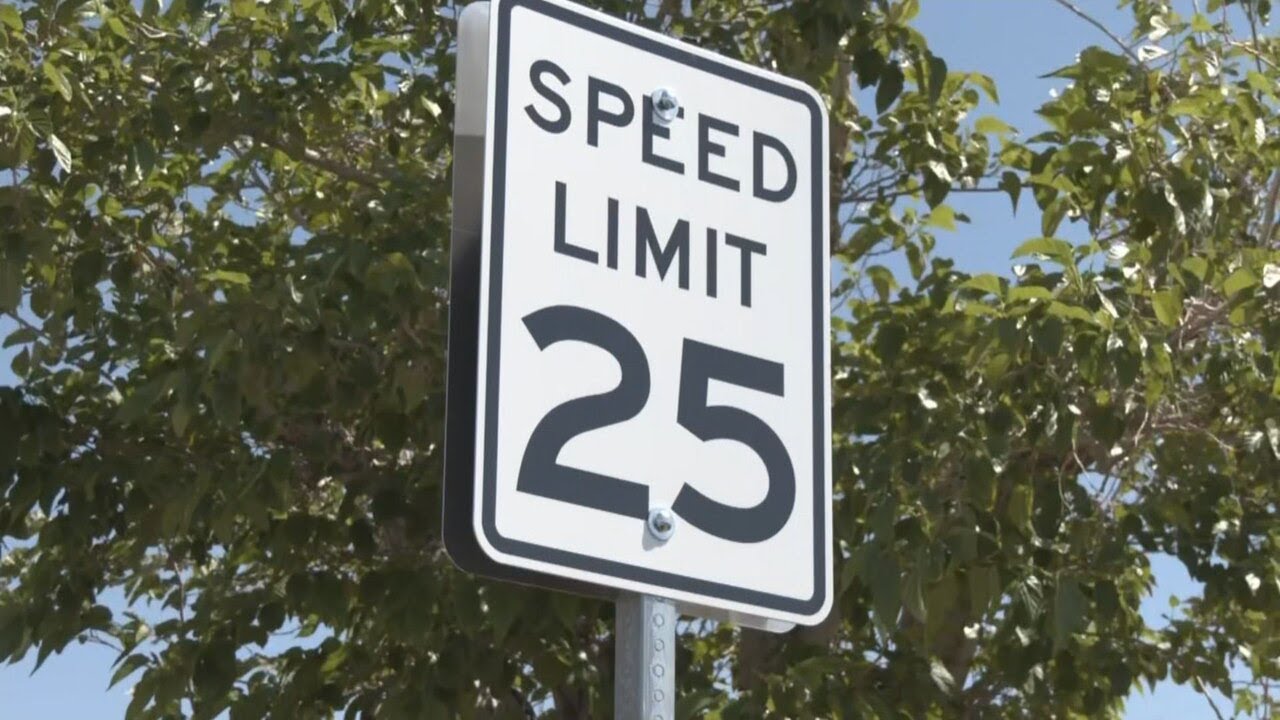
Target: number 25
[[542, 474]]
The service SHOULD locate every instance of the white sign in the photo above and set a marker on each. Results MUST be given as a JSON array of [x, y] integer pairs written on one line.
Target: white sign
[[653, 318]]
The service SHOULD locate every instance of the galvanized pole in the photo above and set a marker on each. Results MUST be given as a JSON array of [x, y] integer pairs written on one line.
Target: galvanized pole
[[645, 659]]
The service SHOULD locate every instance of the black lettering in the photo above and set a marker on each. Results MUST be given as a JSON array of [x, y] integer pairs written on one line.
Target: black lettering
[[596, 115], [562, 245], [761, 141], [747, 248], [712, 272], [651, 129], [700, 365], [647, 243], [611, 250], [707, 148], [536, 71], [540, 470]]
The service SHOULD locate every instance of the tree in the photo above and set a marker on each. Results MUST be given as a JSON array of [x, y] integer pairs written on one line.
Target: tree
[[223, 238]]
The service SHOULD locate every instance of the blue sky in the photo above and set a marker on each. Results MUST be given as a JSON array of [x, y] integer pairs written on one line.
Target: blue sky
[[1014, 41]]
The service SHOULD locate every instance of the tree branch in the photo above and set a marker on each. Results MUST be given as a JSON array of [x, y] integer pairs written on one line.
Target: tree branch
[[906, 193], [1094, 22], [1252, 49], [302, 154], [26, 324], [1252, 13], [839, 133], [257, 180], [1204, 691], [1269, 211]]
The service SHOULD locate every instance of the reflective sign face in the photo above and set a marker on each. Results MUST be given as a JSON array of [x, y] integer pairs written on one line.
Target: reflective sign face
[[652, 393]]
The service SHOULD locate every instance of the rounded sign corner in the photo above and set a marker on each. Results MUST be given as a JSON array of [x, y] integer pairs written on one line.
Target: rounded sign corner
[[817, 608], [490, 540]]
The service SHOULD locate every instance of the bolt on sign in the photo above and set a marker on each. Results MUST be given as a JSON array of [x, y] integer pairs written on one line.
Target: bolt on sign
[[639, 393]]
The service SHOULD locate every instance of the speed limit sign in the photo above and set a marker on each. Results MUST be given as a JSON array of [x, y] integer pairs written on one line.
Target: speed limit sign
[[639, 370]]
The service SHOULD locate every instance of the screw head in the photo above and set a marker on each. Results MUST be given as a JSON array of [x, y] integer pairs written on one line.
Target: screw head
[[661, 523], [666, 106]]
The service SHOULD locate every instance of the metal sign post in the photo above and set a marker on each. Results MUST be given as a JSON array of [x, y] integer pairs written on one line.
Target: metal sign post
[[644, 659]]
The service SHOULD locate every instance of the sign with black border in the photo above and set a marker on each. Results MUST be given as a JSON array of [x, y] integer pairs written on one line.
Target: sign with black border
[[639, 319]]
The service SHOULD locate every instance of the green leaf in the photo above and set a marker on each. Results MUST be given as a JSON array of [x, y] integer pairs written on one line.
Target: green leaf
[[1052, 248], [943, 217], [987, 85], [1048, 335], [937, 78], [117, 27], [915, 260], [868, 64], [883, 280], [905, 11], [227, 277], [976, 309], [890, 87], [139, 401], [1073, 312], [1260, 84], [246, 9], [21, 336], [1020, 499], [985, 282], [1240, 280], [848, 573], [334, 661], [130, 665], [1168, 306], [984, 587], [10, 16], [225, 344], [1011, 184], [1053, 216], [21, 364], [913, 594], [271, 616], [885, 578], [10, 285], [1029, 292], [180, 416], [58, 78], [324, 13], [1194, 106], [60, 153], [1197, 266], [991, 125], [1069, 607], [215, 669], [226, 404]]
